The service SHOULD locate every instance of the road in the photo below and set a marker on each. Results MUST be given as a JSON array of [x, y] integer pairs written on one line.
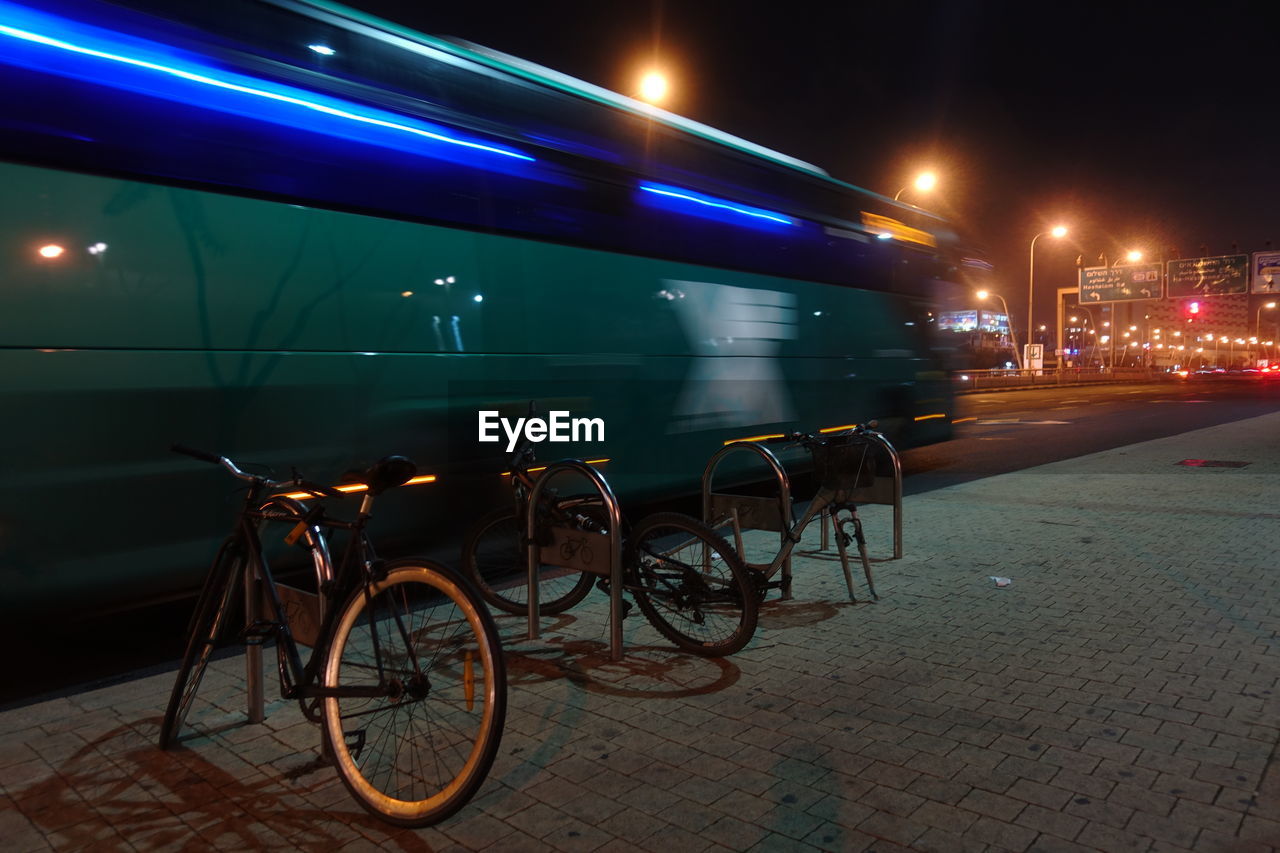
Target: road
[[1006, 431], [996, 433]]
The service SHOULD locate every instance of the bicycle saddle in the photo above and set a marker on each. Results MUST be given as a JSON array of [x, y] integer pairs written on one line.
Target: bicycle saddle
[[387, 473]]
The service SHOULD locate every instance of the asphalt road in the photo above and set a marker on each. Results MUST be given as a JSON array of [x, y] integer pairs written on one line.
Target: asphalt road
[[1006, 431], [995, 433]]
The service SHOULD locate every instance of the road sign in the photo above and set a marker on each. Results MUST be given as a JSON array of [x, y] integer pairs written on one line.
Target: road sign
[[1266, 272], [1216, 276], [1120, 283]]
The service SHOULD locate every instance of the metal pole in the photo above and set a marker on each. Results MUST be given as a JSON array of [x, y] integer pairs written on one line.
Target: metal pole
[[1031, 288], [254, 696]]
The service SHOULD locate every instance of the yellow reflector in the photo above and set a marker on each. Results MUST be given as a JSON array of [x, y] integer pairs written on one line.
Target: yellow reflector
[[757, 437], [544, 467], [837, 429]]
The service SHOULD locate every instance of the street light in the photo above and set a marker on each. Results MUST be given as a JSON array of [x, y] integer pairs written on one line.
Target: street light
[[654, 87], [925, 181], [1257, 326], [1058, 231], [1013, 339]]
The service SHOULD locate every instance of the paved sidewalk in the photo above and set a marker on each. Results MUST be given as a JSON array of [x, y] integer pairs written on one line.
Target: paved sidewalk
[[1121, 694]]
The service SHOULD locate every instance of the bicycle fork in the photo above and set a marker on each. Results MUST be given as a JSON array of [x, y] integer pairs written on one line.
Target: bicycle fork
[[845, 539]]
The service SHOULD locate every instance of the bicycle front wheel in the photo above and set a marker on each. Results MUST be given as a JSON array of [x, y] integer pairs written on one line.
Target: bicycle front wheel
[[691, 585], [420, 658], [496, 563], [202, 636]]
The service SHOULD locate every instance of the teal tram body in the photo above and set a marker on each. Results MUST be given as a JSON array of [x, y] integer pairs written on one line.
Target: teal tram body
[[301, 236]]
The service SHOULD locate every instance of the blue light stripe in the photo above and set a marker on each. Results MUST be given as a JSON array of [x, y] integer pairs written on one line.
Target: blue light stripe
[[285, 95], [716, 203]]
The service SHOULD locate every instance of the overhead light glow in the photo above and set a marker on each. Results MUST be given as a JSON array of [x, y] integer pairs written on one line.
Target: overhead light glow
[[653, 87], [689, 201], [322, 49], [52, 250]]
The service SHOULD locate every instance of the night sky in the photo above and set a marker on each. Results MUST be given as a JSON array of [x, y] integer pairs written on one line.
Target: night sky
[[1139, 125]]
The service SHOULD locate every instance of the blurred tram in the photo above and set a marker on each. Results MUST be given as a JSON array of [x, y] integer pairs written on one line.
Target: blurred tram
[[300, 235]]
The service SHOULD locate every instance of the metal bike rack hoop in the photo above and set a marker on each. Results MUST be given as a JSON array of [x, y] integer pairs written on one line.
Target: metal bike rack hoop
[[614, 568], [750, 511]]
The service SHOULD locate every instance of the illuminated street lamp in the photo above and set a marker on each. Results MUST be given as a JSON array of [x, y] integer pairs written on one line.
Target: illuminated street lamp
[[1013, 339], [925, 181], [1257, 326], [1058, 232], [654, 87]]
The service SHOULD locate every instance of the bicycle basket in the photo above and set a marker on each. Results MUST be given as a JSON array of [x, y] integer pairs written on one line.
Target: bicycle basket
[[844, 462]]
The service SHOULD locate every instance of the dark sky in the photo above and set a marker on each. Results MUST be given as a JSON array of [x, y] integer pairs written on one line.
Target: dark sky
[[1148, 125]]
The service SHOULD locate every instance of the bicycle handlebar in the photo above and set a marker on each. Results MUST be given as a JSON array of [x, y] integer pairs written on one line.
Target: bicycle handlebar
[[235, 471]]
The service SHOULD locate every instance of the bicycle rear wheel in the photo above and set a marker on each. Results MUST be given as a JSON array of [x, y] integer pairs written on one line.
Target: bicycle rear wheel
[[691, 585], [202, 635], [415, 748], [496, 563]]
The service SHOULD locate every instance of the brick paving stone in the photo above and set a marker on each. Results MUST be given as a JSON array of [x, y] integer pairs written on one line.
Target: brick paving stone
[[944, 817], [1042, 795], [1180, 834], [1050, 821], [892, 827], [1002, 835], [1102, 837]]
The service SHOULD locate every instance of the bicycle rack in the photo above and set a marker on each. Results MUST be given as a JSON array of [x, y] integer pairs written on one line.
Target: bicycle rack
[[304, 610], [571, 549], [886, 490], [750, 511], [777, 513]]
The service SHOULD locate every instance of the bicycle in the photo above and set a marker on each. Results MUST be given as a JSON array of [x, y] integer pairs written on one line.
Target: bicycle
[[688, 582], [406, 673], [841, 464]]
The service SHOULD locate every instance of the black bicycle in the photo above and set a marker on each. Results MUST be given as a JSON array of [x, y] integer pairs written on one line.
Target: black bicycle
[[688, 581], [405, 674]]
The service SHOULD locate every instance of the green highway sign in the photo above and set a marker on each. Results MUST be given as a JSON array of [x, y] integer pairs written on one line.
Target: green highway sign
[[1214, 276], [1120, 283]]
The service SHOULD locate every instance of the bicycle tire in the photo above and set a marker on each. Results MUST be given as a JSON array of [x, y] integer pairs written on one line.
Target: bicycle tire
[[202, 636], [691, 585], [495, 563], [420, 752]]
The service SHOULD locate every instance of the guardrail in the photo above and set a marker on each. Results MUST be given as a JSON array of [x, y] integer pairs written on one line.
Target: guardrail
[[986, 380]]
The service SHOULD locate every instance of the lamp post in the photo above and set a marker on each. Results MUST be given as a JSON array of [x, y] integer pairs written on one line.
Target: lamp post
[[1257, 326], [924, 182], [1013, 339], [1058, 231]]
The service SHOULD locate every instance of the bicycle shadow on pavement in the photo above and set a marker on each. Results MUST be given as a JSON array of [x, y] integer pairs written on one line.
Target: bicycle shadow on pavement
[[644, 671], [777, 614], [120, 787]]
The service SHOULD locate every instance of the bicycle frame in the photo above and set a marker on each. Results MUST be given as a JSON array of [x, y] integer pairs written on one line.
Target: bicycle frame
[[298, 680]]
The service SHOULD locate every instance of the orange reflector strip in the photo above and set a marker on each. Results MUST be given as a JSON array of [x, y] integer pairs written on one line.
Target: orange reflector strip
[[359, 487], [837, 429], [544, 467], [962, 420], [757, 437], [930, 417]]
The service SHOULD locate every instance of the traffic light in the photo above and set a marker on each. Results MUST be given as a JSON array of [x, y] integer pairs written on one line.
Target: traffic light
[[1192, 311]]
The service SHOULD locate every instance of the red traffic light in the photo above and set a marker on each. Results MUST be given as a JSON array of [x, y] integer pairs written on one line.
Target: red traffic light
[[1193, 308]]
